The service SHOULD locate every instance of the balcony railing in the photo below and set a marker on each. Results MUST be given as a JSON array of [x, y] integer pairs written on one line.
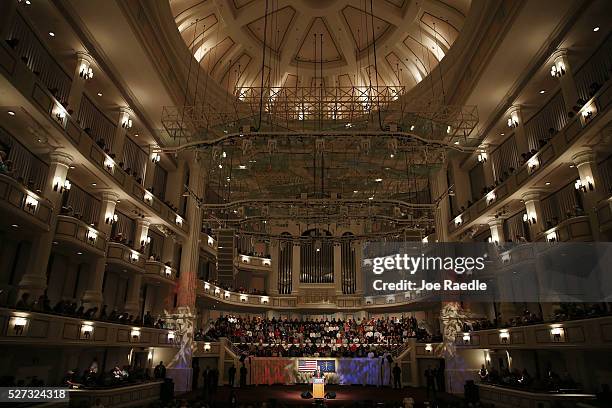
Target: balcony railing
[[510, 398], [39, 328], [23, 203], [571, 229], [160, 272], [255, 262], [77, 232], [125, 256]]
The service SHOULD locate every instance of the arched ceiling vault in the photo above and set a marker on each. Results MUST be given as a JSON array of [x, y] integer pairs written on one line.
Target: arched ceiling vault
[[305, 38]]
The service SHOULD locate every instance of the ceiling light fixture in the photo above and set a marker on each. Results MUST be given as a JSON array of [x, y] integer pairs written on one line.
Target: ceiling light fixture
[[15, 226], [72, 167], [378, 180], [596, 29], [547, 183], [242, 167], [11, 113], [99, 93], [51, 34], [542, 91], [94, 184]]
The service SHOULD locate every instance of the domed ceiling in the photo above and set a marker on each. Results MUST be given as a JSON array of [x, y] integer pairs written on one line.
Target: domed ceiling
[[314, 43]]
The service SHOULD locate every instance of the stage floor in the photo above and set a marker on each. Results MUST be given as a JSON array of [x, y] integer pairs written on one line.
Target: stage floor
[[291, 394]]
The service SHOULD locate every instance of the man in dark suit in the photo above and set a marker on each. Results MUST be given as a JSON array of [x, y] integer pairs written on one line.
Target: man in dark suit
[[318, 373]]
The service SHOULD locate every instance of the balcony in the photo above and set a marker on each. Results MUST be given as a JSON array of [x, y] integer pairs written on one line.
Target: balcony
[[552, 152], [159, 272], [511, 398], [571, 229], [80, 235], [208, 243], [125, 257], [22, 205], [206, 348], [39, 86], [254, 263], [582, 334], [48, 329]]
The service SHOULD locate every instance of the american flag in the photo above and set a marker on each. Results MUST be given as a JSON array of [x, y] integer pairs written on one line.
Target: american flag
[[307, 365]]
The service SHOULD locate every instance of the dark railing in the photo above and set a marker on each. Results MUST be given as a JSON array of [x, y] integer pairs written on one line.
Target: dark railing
[[135, 160], [595, 71], [546, 123], [95, 123], [27, 168], [505, 158], [563, 204], [604, 169], [82, 205], [22, 38]]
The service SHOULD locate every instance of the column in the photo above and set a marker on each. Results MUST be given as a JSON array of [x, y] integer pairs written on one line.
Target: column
[[175, 187], [132, 304], [497, 230], [359, 274], [590, 186], [150, 172], [92, 296], [533, 208], [141, 234], [563, 71], [295, 269], [462, 188], [34, 281], [515, 115], [191, 248], [487, 168], [338, 268], [84, 63], [120, 133], [439, 187], [168, 250]]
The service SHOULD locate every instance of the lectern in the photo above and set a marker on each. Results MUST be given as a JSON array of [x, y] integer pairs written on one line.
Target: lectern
[[318, 388]]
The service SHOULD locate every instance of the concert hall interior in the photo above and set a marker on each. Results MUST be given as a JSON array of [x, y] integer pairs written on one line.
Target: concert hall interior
[[268, 203]]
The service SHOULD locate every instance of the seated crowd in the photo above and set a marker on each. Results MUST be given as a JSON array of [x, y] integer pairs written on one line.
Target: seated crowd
[[565, 312], [330, 338], [239, 289], [71, 309], [552, 382]]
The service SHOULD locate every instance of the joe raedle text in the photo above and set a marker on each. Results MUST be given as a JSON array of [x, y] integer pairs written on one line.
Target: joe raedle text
[[446, 285]]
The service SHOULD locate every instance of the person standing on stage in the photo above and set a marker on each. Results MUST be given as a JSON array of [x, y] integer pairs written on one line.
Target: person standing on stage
[[397, 376], [243, 375], [232, 375], [317, 373]]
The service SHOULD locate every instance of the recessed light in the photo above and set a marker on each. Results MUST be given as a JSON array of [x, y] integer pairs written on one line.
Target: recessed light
[[11, 113], [79, 253], [456, 142], [572, 166], [502, 134], [72, 167], [547, 183], [542, 91], [15, 226], [55, 242], [118, 201], [51, 34], [28, 2], [136, 135], [378, 180], [99, 93], [242, 167], [94, 184], [355, 191], [370, 198], [596, 29], [412, 127]]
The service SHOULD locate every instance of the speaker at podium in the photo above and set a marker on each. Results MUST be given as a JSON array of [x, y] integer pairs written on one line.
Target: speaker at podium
[[318, 388]]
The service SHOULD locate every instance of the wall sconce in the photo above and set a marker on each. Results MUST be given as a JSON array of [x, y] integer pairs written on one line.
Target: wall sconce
[[557, 334], [85, 71], [206, 346], [206, 286], [466, 338], [133, 257], [60, 186], [243, 298], [31, 203], [109, 163], [155, 158], [390, 299], [145, 241], [211, 241], [458, 221], [265, 300], [584, 186], [587, 114], [428, 348], [448, 129], [505, 257], [482, 157], [171, 336], [531, 219], [558, 69], [127, 123], [168, 271], [533, 164], [91, 236], [148, 197], [217, 291], [86, 330], [18, 324], [111, 218], [551, 236], [266, 262], [245, 259], [178, 221], [513, 121], [60, 114], [491, 197], [504, 336], [368, 301], [135, 334], [227, 294]]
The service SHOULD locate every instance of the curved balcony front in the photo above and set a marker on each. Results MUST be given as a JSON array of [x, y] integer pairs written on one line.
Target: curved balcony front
[[125, 257]]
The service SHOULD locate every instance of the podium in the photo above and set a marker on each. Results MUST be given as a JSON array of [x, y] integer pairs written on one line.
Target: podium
[[318, 388]]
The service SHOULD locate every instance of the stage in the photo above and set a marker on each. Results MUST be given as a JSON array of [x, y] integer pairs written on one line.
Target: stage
[[291, 394]]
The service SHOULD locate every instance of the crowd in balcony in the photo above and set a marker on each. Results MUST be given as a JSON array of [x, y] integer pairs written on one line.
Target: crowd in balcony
[[239, 289], [551, 381], [319, 338], [565, 312], [70, 308]]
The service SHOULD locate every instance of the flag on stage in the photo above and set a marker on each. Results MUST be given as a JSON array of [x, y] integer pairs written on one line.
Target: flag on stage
[[327, 366], [307, 365]]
